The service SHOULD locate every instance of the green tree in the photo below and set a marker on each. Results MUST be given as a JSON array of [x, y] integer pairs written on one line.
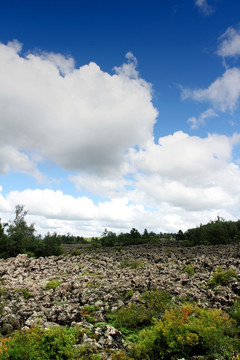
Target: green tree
[[20, 234], [109, 238], [51, 245]]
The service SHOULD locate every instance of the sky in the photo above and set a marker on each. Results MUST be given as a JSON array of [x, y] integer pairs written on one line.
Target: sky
[[119, 113]]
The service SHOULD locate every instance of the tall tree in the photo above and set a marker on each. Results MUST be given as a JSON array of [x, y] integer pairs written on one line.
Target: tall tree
[[20, 234]]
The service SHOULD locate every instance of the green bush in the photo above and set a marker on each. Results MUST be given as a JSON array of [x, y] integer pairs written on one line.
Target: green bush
[[235, 312], [39, 344], [52, 284], [25, 293], [131, 317], [221, 277], [134, 316], [188, 331], [189, 269]]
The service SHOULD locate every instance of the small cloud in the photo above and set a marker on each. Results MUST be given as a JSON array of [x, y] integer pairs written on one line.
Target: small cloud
[[223, 93], [204, 7], [229, 43], [131, 58], [196, 122]]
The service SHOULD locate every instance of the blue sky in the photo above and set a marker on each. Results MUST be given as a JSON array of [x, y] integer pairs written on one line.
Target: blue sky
[[119, 114]]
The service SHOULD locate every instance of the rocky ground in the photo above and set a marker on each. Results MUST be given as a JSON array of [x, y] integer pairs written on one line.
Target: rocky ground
[[96, 281]]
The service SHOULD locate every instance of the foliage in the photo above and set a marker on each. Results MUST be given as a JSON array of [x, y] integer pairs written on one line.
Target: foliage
[[221, 277], [20, 238], [189, 269], [20, 234], [76, 253], [188, 331], [51, 245], [25, 293], [235, 312], [53, 284], [134, 316], [71, 239], [86, 352], [120, 355], [213, 233], [39, 344]]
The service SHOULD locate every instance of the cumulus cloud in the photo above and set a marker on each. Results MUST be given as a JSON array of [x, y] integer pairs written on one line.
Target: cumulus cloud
[[49, 208], [180, 180], [204, 7], [80, 119], [196, 122], [223, 93], [101, 126], [188, 172], [229, 43]]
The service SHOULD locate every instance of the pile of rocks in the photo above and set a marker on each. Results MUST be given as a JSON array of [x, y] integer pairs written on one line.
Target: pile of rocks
[[96, 282]]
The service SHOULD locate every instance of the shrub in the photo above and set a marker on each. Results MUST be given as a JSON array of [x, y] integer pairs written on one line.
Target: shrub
[[128, 295], [156, 302], [221, 277], [86, 352], [235, 312], [187, 331], [76, 252], [131, 263], [189, 269], [53, 284], [25, 293], [131, 317], [36, 343], [135, 316]]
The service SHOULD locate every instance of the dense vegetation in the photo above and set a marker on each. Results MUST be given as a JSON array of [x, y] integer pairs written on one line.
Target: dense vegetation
[[154, 329], [214, 233]]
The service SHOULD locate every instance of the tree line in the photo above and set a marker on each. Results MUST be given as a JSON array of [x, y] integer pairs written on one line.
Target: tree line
[[18, 237], [215, 232]]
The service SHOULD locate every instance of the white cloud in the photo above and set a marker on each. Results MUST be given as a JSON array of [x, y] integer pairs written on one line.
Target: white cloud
[[188, 172], [56, 212], [223, 93], [106, 186], [204, 7], [63, 64], [229, 43], [101, 125], [80, 119], [18, 161], [178, 183], [63, 213], [196, 122]]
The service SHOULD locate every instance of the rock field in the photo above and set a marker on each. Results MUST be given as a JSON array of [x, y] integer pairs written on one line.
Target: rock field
[[99, 279]]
